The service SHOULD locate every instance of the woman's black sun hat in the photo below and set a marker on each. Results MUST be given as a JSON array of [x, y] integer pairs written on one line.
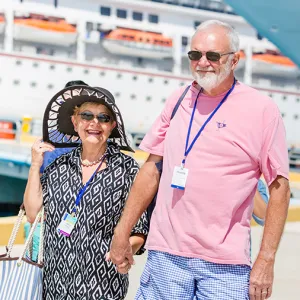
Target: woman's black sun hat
[[58, 128]]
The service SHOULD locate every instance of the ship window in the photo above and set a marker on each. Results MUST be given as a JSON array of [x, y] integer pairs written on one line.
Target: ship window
[[150, 79], [153, 19], [133, 96], [283, 115], [196, 24], [134, 78], [184, 41], [35, 64], [181, 83], [148, 98], [296, 117], [105, 11], [89, 26], [163, 100], [52, 67], [298, 99], [69, 69], [119, 75], [86, 71], [33, 84], [117, 95], [270, 95], [137, 16], [50, 86], [102, 73], [284, 98], [16, 82], [18, 62], [121, 13], [259, 37], [166, 81]]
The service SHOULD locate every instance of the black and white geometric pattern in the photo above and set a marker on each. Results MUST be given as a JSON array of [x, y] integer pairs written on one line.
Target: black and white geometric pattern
[[75, 267]]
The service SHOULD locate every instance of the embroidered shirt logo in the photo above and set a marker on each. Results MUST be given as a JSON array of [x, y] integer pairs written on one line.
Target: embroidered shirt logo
[[221, 125]]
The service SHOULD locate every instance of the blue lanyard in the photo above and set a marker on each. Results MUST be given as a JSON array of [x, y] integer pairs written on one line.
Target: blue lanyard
[[83, 189], [189, 148]]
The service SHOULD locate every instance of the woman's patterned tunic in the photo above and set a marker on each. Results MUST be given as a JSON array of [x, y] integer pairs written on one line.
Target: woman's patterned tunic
[[75, 267]]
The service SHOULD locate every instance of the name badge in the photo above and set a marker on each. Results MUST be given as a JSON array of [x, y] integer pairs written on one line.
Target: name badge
[[66, 225], [179, 178]]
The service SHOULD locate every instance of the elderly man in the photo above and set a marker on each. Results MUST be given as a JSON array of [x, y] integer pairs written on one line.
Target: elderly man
[[222, 138]]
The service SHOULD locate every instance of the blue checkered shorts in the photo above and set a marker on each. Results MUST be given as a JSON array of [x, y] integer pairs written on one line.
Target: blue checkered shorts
[[172, 277]]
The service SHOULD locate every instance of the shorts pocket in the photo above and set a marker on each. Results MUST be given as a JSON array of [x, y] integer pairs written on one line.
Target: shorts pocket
[[145, 278]]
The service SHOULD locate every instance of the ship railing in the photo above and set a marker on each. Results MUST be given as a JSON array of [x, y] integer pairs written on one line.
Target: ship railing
[[141, 45]]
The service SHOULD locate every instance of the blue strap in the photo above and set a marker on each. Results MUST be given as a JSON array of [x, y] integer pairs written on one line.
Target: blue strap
[[179, 102], [83, 189], [189, 148]]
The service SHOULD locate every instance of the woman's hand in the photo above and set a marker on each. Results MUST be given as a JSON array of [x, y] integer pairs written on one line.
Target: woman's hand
[[37, 152], [123, 268]]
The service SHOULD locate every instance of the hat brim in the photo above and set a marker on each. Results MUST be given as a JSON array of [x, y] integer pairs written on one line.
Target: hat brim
[[58, 128]]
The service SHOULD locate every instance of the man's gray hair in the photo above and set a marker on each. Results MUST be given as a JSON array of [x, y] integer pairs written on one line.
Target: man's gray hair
[[231, 32]]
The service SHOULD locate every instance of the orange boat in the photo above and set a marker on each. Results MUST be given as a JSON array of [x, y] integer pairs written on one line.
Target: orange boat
[[271, 63], [60, 26], [45, 30], [138, 43], [2, 23], [7, 130]]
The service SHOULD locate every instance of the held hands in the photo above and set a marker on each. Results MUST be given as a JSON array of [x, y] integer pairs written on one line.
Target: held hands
[[37, 152], [121, 253], [123, 268], [261, 278]]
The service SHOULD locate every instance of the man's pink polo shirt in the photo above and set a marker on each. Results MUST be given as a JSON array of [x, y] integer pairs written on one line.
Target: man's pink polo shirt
[[210, 219]]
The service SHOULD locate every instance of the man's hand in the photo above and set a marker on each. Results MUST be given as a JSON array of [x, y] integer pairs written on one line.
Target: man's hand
[[261, 278], [121, 250], [122, 268]]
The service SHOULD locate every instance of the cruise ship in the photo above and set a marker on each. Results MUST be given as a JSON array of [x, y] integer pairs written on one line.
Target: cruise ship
[[137, 49]]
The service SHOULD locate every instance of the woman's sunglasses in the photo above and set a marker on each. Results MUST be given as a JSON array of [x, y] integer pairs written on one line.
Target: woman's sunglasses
[[88, 116], [210, 55]]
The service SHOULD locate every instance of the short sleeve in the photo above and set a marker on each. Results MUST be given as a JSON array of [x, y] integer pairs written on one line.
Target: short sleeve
[[153, 141], [263, 193], [274, 154]]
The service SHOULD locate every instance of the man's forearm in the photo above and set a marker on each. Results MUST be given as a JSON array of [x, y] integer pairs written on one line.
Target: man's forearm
[[275, 218], [142, 192]]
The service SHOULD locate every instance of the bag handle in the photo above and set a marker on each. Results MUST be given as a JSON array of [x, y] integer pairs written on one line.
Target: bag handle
[[16, 228], [39, 218], [15, 231]]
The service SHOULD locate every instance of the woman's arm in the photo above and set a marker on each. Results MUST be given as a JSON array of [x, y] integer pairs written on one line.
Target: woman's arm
[[136, 241], [33, 196], [260, 207], [261, 200]]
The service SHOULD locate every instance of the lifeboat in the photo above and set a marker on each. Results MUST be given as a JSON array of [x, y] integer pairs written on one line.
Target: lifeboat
[[7, 130], [47, 31], [271, 64], [2, 24], [137, 43]]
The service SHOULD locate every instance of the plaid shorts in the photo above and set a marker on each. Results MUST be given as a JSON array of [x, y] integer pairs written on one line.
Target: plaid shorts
[[172, 277]]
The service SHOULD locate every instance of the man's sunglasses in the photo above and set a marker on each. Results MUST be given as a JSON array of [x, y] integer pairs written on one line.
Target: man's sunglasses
[[210, 55], [88, 116]]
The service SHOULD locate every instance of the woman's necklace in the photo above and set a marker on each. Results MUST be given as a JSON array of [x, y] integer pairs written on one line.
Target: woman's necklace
[[92, 163]]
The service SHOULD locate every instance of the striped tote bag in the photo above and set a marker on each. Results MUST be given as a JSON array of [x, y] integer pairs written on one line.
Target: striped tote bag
[[20, 277]]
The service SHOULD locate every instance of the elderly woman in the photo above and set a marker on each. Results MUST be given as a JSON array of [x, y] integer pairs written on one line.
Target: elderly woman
[[83, 192]]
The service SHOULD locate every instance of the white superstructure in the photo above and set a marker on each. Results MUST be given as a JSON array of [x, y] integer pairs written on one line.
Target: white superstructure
[[136, 49]]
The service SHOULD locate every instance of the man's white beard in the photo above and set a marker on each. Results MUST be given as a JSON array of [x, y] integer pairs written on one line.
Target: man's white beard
[[209, 81]]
